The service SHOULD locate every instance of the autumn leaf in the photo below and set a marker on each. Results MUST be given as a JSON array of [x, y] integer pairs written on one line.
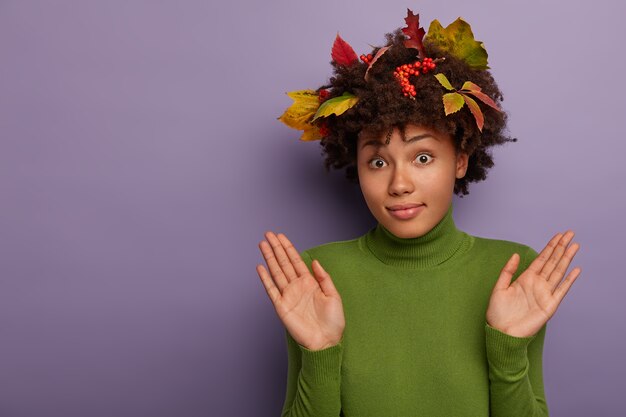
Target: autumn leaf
[[471, 88], [310, 134], [380, 52], [443, 80], [414, 32], [299, 114], [478, 114], [452, 102], [336, 105], [457, 39], [342, 53]]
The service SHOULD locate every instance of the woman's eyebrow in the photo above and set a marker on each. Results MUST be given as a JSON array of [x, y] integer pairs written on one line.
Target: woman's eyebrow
[[378, 144]]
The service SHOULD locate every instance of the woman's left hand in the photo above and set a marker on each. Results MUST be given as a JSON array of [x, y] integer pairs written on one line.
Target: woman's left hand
[[522, 308]]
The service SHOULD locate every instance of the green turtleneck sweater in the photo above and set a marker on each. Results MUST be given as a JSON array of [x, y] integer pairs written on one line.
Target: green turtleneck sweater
[[416, 341]]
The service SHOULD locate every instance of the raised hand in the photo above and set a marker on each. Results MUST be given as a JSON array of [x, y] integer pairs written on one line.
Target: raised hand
[[522, 308], [309, 307]]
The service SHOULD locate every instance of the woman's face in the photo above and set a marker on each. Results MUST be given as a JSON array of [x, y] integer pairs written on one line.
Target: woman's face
[[419, 172]]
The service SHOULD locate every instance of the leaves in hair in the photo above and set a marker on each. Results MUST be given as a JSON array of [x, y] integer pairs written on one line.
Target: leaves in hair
[[299, 114], [342, 53], [453, 102], [458, 40], [336, 105], [414, 32], [471, 88]]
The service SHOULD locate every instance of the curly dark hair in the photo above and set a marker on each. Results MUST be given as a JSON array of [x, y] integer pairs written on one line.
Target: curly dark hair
[[383, 107]]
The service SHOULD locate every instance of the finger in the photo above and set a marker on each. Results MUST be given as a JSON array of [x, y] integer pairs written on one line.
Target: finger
[[296, 260], [556, 255], [544, 255], [272, 264], [326, 283], [268, 284], [281, 256], [504, 280], [560, 269], [562, 289]]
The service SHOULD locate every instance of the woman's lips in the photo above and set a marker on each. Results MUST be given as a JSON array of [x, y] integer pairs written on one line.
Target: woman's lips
[[407, 211]]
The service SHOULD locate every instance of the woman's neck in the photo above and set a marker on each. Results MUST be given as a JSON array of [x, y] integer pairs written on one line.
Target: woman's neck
[[439, 245]]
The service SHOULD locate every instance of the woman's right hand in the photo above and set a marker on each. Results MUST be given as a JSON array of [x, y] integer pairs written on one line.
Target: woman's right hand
[[309, 307]]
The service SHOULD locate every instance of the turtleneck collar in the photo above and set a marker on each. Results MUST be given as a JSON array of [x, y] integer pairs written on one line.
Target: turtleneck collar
[[437, 246]]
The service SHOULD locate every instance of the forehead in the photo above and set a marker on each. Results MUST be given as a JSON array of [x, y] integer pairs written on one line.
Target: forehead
[[376, 139]]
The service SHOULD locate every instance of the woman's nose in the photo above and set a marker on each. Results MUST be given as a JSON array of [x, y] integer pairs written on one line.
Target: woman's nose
[[400, 182]]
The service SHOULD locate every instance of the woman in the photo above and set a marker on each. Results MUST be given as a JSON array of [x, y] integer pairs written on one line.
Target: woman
[[415, 317]]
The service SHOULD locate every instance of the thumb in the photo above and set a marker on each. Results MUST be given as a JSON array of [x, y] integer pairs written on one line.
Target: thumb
[[507, 273], [323, 278]]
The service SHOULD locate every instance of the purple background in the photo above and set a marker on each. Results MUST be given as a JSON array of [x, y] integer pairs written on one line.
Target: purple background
[[141, 162]]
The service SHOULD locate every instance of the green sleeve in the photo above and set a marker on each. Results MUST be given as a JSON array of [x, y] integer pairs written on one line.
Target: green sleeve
[[313, 377], [516, 369]]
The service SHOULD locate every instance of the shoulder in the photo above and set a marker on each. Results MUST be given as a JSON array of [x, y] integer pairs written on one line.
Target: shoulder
[[331, 249], [505, 248], [340, 252]]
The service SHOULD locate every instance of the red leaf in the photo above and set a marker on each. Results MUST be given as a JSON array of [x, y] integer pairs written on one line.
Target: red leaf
[[414, 32], [342, 52]]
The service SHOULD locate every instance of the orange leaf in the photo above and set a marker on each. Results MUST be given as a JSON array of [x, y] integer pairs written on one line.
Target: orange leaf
[[478, 114], [484, 98], [468, 85]]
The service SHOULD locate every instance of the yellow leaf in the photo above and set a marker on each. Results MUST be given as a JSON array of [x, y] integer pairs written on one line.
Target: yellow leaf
[[452, 102], [311, 134], [443, 80], [299, 114], [336, 105]]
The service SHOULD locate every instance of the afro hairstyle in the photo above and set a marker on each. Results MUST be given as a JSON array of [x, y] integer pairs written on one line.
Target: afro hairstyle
[[382, 106]]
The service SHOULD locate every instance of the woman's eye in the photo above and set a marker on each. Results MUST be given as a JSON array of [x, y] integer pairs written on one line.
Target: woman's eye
[[376, 163], [423, 158]]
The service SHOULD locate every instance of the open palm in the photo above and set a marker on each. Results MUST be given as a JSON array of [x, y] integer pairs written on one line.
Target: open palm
[[309, 306], [520, 309]]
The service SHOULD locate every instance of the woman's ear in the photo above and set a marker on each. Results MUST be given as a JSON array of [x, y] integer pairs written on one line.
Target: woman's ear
[[461, 164]]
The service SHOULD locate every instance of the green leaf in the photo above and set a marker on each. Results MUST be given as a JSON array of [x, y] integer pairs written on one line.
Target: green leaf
[[452, 102], [457, 39], [336, 105], [443, 80], [478, 114]]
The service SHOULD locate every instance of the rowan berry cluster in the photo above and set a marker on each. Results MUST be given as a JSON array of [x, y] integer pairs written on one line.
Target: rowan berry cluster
[[403, 72], [366, 58]]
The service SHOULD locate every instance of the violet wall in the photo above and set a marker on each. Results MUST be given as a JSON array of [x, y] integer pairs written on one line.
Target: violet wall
[[141, 161]]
